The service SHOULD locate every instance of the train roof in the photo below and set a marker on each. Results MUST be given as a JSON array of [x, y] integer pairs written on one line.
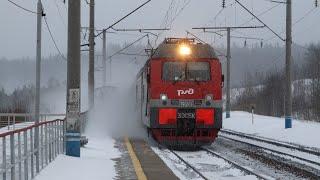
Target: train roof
[[168, 49]]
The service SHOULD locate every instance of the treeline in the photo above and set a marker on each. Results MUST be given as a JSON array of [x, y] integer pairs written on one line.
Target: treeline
[[17, 77], [266, 91], [20, 101]]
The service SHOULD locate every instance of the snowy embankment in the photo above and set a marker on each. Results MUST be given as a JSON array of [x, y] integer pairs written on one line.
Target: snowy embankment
[[303, 132], [96, 162]]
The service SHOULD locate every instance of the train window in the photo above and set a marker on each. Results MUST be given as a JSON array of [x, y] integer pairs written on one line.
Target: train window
[[173, 71], [182, 71], [198, 71]]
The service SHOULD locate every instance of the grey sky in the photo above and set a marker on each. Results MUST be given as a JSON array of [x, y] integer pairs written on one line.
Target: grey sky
[[17, 32]]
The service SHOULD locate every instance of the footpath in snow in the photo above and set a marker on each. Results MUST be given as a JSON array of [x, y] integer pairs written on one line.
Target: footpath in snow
[[96, 162], [302, 132]]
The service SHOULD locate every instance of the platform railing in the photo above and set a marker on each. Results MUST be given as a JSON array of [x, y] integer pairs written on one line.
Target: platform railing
[[18, 157]]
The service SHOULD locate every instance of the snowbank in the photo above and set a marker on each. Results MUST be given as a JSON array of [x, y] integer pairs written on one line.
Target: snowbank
[[303, 132]]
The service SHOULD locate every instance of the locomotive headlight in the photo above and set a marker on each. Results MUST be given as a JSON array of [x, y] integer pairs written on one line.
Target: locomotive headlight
[[163, 97], [209, 97], [184, 50]]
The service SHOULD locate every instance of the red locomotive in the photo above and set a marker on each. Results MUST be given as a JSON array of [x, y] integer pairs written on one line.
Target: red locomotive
[[179, 93]]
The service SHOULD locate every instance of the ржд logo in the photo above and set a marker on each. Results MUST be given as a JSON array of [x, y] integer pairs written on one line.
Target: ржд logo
[[189, 91]]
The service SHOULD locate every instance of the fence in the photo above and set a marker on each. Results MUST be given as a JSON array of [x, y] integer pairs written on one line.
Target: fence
[[21, 159]]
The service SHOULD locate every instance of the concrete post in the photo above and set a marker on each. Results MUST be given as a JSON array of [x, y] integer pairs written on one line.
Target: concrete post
[[73, 80], [228, 106], [104, 58], [38, 73], [91, 56], [288, 94]]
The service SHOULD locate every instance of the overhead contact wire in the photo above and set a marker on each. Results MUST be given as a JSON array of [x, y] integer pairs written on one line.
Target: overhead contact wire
[[53, 40], [23, 8]]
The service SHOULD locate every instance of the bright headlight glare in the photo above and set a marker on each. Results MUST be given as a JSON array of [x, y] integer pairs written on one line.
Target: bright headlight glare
[[163, 97], [184, 50]]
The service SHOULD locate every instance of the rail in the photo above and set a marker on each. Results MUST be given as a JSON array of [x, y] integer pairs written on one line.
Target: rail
[[295, 152], [188, 165], [310, 150], [21, 158], [236, 165], [244, 169]]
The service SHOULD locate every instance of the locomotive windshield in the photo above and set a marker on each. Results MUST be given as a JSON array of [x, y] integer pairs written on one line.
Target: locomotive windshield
[[186, 71]]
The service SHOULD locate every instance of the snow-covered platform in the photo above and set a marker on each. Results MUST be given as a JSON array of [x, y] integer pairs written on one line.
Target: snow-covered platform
[[96, 162], [109, 159]]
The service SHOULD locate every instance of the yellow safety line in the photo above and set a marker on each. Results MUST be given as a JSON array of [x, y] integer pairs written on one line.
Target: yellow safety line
[[135, 161]]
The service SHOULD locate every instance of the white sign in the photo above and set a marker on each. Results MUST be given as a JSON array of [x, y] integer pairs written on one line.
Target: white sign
[[74, 101], [73, 110]]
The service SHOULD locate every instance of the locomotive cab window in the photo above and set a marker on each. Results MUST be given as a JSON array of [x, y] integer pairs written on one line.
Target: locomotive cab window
[[173, 71], [198, 71], [186, 71]]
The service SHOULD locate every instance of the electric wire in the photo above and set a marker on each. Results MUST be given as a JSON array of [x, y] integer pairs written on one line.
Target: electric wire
[[124, 17], [23, 8], [178, 12], [234, 30], [164, 21], [53, 40], [296, 22], [60, 15], [273, 1], [260, 20], [262, 13], [127, 46]]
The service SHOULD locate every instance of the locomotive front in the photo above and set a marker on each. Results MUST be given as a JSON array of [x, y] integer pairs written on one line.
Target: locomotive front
[[184, 91]]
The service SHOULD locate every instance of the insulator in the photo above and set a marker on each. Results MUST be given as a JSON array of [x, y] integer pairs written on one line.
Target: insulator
[[316, 3], [245, 43], [223, 3], [261, 44]]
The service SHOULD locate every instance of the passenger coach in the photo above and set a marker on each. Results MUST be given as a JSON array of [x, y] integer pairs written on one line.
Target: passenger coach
[[179, 93]]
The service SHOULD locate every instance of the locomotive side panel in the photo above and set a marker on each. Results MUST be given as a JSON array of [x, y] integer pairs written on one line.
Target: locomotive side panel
[[142, 97]]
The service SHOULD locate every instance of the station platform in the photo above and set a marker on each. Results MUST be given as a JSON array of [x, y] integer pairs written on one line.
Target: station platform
[[147, 164], [107, 158]]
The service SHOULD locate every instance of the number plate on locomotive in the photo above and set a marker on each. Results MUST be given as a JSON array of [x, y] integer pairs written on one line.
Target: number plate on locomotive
[[186, 114]]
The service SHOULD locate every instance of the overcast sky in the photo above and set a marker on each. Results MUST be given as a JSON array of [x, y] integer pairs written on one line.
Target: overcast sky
[[18, 28]]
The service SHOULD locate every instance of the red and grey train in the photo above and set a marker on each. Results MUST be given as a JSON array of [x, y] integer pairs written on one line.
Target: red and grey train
[[179, 93]]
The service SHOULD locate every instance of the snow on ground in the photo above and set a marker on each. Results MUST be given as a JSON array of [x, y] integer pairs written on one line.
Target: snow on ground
[[96, 163], [303, 132]]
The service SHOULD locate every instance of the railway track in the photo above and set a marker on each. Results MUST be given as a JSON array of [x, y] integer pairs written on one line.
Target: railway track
[[245, 169], [212, 153], [305, 155], [189, 165], [274, 142]]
